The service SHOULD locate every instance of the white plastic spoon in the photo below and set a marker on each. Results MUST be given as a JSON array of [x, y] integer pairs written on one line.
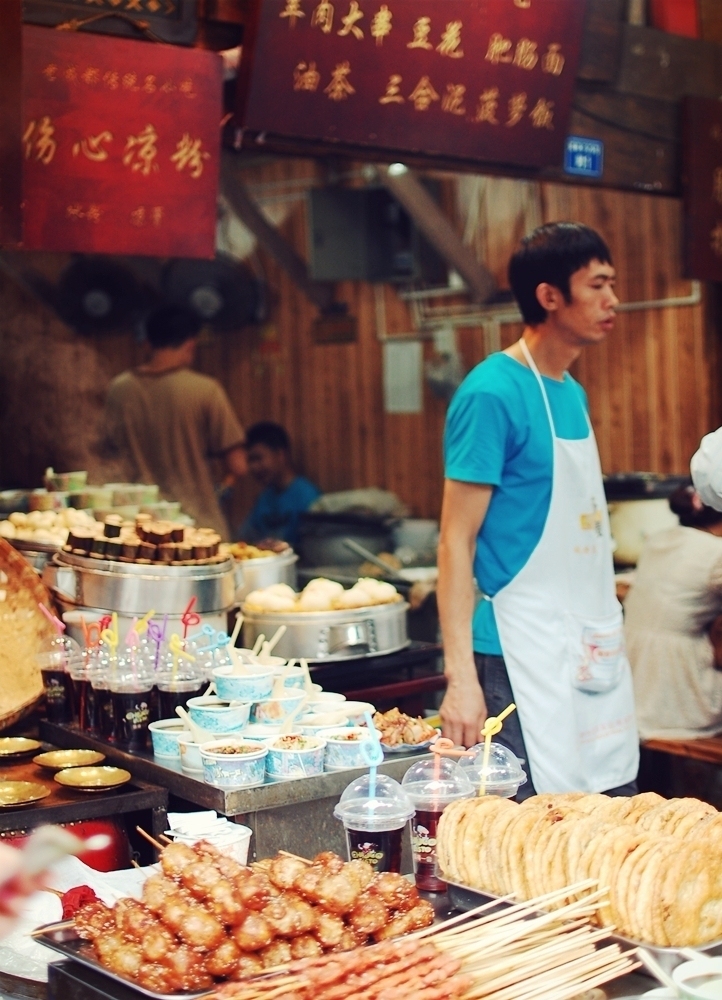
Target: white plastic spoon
[[258, 643], [287, 724]]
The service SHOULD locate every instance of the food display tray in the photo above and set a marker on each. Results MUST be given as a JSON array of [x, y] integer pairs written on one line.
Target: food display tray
[[64, 939], [463, 897]]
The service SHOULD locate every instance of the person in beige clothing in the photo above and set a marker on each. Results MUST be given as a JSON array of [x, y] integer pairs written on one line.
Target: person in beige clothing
[[166, 422], [672, 625]]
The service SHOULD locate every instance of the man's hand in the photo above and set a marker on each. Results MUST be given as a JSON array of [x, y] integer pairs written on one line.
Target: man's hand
[[463, 712]]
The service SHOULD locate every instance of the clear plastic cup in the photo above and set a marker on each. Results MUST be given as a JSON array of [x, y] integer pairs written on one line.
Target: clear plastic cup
[[503, 773], [374, 812], [57, 659], [431, 785], [131, 690]]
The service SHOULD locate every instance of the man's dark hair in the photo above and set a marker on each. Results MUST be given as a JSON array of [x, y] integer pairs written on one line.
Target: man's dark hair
[[552, 254], [272, 435], [171, 326], [690, 510]]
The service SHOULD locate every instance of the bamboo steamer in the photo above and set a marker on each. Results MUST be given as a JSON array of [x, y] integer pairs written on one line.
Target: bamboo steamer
[[24, 630]]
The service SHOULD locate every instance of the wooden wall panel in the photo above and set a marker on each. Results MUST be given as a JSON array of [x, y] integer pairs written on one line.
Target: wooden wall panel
[[652, 386]]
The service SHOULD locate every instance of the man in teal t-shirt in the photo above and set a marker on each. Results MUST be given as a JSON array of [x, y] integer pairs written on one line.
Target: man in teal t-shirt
[[286, 495], [500, 450]]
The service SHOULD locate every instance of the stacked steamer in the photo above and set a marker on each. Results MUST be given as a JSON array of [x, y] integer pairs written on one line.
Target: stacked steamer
[[327, 622], [660, 859], [206, 917]]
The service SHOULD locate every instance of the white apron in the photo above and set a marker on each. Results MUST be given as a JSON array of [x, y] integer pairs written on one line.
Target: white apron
[[560, 627]]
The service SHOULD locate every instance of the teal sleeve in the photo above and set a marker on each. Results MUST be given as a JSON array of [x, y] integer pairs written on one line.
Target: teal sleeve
[[475, 438]]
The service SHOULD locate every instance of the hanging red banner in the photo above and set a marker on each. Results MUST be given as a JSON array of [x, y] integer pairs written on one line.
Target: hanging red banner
[[120, 145], [489, 80]]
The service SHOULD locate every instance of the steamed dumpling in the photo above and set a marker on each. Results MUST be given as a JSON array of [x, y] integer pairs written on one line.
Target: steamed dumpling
[[329, 587], [380, 591], [315, 600], [281, 590], [356, 597], [264, 600]]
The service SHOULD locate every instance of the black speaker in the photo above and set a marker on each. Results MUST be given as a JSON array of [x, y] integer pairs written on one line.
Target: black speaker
[[364, 234]]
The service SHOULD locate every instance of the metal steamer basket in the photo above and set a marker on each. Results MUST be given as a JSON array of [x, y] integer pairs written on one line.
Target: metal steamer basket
[[255, 574], [132, 589], [332, 635]]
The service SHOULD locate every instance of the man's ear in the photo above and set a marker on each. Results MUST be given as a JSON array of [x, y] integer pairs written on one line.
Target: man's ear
[[548, 297]]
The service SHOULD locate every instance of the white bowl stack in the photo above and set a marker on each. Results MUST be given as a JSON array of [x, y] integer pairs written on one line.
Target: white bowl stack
[[229, 838]]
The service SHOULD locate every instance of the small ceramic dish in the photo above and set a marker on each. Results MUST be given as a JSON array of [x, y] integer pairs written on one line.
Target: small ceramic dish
[[17, 746], [92, 779], [58, 760], [233, 763], [349, 746], [190, 757], [326, 701], [356, 711], [255, 685], [314, 722], [217, 715], [274, 711], [21, 793], [165, 735], [292, 756]]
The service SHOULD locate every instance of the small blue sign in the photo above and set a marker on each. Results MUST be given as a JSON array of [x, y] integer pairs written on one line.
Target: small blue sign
[[584, 157]]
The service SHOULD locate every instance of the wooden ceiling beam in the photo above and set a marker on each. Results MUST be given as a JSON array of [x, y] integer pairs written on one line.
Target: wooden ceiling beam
[[438, 230], [320, 293]]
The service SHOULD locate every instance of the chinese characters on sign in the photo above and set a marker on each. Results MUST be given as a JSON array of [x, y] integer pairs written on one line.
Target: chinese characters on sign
[[488, 79], [121, 154], [702, 173]]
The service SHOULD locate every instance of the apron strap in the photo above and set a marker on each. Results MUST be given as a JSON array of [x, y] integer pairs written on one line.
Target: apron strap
[[532, 365]]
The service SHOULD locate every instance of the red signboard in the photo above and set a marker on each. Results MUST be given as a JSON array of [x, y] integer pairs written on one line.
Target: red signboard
[[120, 145], [702, 181], [10, 159], [489, 80]]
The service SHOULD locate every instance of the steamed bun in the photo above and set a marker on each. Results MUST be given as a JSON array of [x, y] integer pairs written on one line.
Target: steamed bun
[[315, 600], [329, 587], [281, 590]]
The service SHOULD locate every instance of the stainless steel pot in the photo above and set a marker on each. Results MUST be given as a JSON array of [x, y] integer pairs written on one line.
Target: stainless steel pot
[[133, 589], [332, 635], [254, 574]]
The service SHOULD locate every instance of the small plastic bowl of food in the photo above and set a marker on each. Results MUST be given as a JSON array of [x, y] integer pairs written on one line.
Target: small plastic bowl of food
[[165, 735], [273, 711], [326, 701], [356, 711], [293, 677], [234, 763], [346, 747], [218, 715], [295, 756], [253, 685], [312, 723], [190, 757]]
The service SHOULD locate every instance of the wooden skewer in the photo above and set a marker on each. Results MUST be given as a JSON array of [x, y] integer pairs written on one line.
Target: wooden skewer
[[151, 840], [164, 839], [296, 857], [134, 863], [48, 928]]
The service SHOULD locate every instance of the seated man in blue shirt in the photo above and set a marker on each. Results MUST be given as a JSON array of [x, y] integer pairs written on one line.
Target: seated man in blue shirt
[[285, 496]]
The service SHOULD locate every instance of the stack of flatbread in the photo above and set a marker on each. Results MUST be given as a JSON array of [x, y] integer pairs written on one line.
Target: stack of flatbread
[[24, 631], [661, 859]]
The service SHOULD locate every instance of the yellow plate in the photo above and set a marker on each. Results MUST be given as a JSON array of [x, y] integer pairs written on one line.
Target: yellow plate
[[92, 779], [21, 793], [14, 746], [57, 760]]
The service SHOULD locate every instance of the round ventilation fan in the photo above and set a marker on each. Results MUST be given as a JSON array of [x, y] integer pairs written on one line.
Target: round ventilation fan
[[95, 296], [223, 294]]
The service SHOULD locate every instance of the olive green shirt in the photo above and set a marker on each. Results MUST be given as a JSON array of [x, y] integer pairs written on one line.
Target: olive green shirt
[[166, 428]]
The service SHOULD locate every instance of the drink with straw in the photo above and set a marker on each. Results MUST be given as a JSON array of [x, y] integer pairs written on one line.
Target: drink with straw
[[431, 785], [374, 814]]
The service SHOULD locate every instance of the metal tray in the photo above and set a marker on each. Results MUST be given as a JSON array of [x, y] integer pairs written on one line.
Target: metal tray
[[64, 939], [463, 897]]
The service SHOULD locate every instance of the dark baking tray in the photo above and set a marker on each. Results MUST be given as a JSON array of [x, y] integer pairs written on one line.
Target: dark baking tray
[[64, 939]]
